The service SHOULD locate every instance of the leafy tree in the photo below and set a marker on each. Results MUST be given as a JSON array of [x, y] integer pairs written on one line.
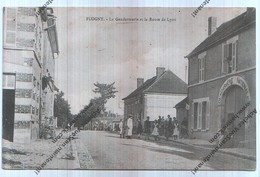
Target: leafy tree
[[62, 110], [96, 105]]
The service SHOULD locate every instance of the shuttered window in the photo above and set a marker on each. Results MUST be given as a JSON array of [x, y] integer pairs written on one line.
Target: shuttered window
[[201, 114]]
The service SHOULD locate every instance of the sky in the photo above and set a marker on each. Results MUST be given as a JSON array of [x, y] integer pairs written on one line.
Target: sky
[[121, 52]]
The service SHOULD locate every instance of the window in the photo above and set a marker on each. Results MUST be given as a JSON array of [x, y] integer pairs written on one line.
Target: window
[[229, 58], [202, 61], [201, 114], [8, 81], [201, 69]]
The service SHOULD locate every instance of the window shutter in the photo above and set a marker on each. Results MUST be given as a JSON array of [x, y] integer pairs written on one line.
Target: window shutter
[[208, 115], [195, 114], [224, 57], [192, 116], [199, 63], [203, 68], [229, 51], [199, 115], [226, 51], [234, 58]]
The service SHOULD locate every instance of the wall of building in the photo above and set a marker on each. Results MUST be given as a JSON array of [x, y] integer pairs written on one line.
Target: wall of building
[[161, 105], [213, 70], [23, 54], [134, 106]]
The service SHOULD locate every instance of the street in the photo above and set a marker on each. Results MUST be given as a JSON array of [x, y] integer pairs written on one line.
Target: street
[[104, 150]]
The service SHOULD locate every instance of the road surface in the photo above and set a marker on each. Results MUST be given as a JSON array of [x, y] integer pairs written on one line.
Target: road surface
[[104, 150]]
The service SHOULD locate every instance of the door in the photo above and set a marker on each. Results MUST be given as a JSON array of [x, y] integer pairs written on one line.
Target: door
[[235, 100], [8, 114]]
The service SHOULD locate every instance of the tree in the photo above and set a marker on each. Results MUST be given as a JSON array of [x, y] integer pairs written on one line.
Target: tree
[[96, 105], [62, 110]]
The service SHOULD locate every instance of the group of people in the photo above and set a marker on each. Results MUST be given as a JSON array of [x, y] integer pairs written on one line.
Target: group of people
[[128, 129], [162, 127], [168, 127]]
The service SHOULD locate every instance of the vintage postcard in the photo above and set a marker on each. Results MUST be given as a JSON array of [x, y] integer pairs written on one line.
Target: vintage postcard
[[129, 88]]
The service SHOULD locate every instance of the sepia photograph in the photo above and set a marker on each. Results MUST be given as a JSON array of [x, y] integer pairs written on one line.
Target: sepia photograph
[[129, 88]]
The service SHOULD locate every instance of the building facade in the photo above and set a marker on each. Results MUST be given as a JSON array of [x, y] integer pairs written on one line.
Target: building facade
[[155, 97], [24, 57], [222, 76]]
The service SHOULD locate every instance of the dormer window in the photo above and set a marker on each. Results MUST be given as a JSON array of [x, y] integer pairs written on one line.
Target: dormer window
[[229, 55]]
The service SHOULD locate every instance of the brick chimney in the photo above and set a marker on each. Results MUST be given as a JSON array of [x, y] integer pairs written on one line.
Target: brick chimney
[[140, 82], [212, 25], [159, 71]]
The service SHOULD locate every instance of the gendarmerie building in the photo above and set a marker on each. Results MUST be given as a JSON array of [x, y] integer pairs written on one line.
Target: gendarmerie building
[[222, 79]]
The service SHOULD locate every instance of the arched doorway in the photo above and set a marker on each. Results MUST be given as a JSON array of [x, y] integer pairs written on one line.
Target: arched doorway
[[234, 100], [233, 96]]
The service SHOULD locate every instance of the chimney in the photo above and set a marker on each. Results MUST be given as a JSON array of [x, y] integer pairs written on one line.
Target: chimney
[[140, 82], [250, 9], [212, 25], [159, 71]]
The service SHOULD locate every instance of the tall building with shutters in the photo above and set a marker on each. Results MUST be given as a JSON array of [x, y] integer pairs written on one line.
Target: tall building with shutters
[[222, 79], [29, 45]]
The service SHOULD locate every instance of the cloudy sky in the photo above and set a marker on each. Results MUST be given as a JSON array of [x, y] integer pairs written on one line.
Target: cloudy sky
[[120, 52]]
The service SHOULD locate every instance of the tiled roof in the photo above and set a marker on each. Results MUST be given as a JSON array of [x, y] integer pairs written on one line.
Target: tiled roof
[[140, 89], [226, 30], [168, 82]]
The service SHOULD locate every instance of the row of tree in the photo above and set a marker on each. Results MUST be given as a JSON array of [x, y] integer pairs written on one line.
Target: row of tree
[[96, 106]]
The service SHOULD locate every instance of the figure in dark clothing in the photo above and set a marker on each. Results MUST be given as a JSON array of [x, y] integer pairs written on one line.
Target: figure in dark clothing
[[166, 128], [170, 127], [147, 128], [160, 126], [184, 129], [139, 128]]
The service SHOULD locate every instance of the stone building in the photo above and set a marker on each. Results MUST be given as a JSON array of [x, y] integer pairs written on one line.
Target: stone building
[[27, 41], [222, 77]]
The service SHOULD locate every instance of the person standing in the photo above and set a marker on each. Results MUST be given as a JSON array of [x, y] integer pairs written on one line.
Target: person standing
[[121, 128], [171, 127], [176, 129], [155, 131], [147, 128], [166, 129], [139, 128], [184, 129], [129, 126]]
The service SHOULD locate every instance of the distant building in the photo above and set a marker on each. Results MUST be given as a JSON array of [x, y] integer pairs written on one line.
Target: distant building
[[30, 42], [155, 97], [222, 79]]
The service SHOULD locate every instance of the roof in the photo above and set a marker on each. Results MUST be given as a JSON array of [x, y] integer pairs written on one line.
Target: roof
[[143, 87], [168, 83], [226, 30], [182, 103]]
